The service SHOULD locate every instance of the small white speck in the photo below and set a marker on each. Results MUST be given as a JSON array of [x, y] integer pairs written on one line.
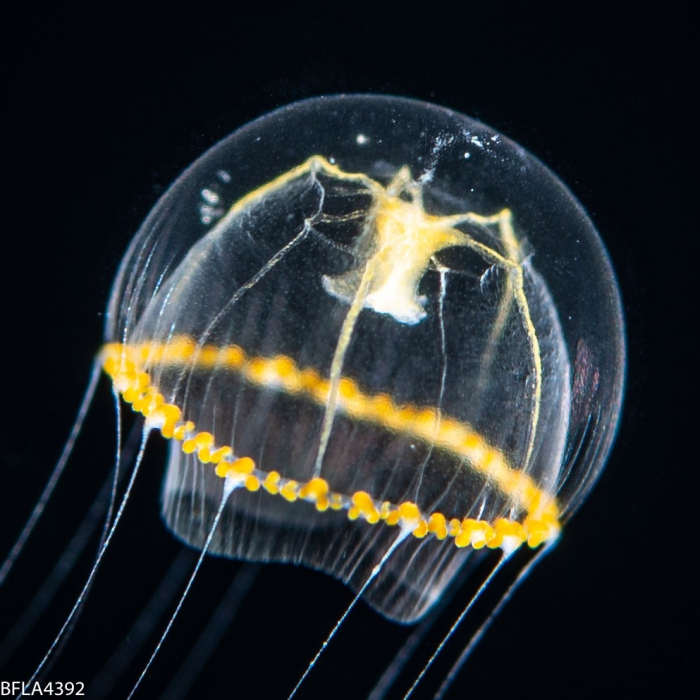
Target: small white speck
[[475, 140], [331, 161], [210, 196], [494, 138], [207, 214], [362, 139], [223, 176], [427, 176], [467, 154]]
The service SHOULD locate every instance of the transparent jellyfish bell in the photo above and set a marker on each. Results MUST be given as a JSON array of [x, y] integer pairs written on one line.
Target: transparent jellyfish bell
[[378, 296]]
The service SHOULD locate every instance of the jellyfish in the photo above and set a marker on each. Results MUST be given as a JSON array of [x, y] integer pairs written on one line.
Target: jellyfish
[[381, 341]]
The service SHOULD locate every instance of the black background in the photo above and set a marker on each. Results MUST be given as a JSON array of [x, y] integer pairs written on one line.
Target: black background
[[102, 110]]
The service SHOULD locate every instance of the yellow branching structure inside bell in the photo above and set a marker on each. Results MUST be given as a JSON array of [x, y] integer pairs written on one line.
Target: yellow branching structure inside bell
[[400, 242]]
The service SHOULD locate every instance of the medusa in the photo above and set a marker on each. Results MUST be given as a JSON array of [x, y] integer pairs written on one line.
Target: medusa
[[369, 331]]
